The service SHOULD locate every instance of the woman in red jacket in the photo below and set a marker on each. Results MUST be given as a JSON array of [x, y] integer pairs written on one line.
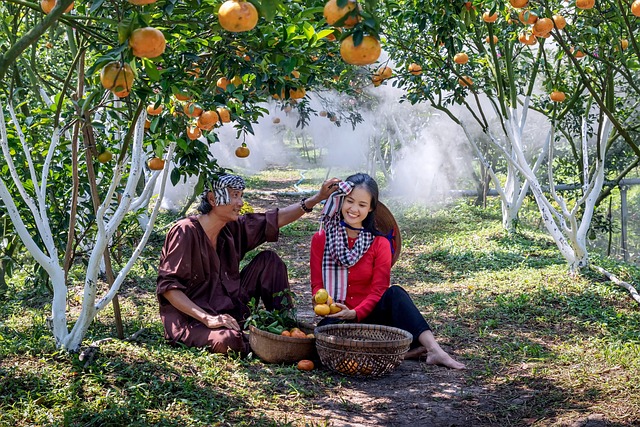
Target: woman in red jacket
[[352, 261]]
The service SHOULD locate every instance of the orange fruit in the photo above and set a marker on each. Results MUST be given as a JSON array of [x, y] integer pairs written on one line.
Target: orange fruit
[[237, 16], [208, 119], [495, 39], [461, 58], [347, 366], [48, 5], [528, 39], [376, 80], [182, 96], [141, 2], [153, 111], [156, 164], [298, 334], [224, 114], [527, 17], [365, 53], [321, 296], [193, 132], [578, 53], [286, 333], [117, 77], [192, 110], [322, 113], [105, 156], [322, 309], [518, 3], [297, 93], [223, 82], [559, 21], [557, 96], [542, 26], [305, 365], [147, 124], [385, 72], [415, 69], [635, 8], [333, 13], [276, 120], [147, 42], [487, 17], [585, 4], [624, 43], [465, 81], [242, 152], [334, 308], [310, 335]]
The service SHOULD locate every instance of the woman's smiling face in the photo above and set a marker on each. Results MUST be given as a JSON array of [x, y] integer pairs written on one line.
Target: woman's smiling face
[[356, 206]]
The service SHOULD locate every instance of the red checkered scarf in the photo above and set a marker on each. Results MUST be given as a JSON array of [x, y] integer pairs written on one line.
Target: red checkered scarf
[[337, 257]]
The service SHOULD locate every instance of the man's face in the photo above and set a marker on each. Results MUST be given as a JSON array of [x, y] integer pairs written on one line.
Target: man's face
[[231, 211]]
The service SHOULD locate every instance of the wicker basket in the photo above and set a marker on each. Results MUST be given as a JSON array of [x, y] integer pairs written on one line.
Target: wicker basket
[[362, 350], [272, 348]]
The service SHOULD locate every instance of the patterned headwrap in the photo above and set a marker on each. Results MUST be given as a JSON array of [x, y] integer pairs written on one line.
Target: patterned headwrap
[[337, 257], [221, 185]]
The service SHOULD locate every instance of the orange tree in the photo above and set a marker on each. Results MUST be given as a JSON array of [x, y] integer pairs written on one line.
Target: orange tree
[[515, 55], [75, 84]]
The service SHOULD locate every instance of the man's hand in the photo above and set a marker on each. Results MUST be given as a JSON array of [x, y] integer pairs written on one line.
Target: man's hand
[[221, 321]]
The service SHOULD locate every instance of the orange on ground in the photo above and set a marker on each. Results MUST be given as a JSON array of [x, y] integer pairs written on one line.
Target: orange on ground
[[193, 132], [305, 365], [461, 58], [242, 152], [365, 53], [559, 21], [117, 77], [487, 17], [237, 16], [47, 6], [333, 13], [224, 114], [153, 111], [147, 42], [156, 164], [557, 96], [322, 309], [415, 69]]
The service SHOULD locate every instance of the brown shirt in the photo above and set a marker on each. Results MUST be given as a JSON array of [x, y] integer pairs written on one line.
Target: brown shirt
[[210, 278]]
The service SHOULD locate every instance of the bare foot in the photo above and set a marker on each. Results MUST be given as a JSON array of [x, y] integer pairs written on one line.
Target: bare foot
[[442, 358], [415, 353]]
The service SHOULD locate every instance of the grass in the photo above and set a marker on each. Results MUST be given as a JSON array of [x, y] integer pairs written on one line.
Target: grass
[[565, 345]]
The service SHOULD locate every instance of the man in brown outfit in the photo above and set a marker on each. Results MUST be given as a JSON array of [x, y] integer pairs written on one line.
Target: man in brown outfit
[[203, 295]]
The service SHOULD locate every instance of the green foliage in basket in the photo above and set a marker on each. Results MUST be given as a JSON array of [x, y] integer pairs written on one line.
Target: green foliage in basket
[[274, 321]]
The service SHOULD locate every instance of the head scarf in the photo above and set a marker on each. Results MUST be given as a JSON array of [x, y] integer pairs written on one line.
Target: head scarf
[[220, 187], [337, 257]]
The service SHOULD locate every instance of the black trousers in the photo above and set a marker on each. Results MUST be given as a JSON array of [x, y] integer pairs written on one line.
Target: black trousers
[[395, 309]]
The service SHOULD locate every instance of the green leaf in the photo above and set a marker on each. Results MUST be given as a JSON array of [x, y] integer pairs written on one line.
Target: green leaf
[[125, 29], [151, 69]]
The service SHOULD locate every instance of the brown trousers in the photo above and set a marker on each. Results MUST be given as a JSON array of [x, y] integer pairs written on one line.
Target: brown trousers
[[263, 277]]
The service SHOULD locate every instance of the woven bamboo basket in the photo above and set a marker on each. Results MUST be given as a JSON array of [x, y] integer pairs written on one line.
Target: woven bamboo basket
[[272, 348], [361, 350]]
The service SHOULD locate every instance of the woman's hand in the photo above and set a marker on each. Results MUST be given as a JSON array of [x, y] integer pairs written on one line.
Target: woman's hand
[[345, 314], [221, 321]]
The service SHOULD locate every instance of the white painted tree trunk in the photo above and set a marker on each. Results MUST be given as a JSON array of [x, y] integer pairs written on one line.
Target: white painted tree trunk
[[107, 221]]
